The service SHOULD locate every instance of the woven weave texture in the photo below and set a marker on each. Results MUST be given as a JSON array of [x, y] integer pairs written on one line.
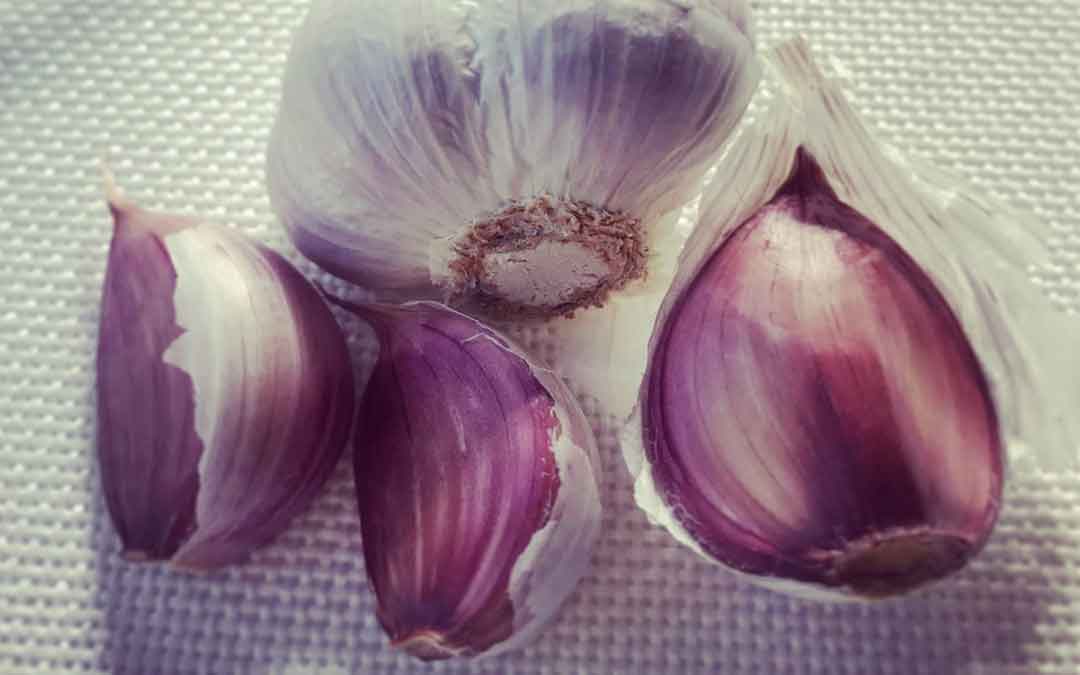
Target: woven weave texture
[[179, 95]]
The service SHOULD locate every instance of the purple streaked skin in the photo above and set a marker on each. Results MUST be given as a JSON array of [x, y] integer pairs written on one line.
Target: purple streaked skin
[[147, 445], [652, 82], [203, 503], [814, 411], [455, 475]]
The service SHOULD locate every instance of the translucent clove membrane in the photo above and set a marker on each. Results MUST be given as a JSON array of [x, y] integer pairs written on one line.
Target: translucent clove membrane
[[224, 390], [513, 158], [475, 479], [842, 361]]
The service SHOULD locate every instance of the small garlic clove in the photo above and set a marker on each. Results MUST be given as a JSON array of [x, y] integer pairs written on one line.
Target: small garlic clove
[[848, 348], [814, 409], [516, 159], [224, 390], [475, 476]]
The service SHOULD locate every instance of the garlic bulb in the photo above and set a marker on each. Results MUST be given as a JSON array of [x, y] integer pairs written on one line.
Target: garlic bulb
[[841, 361], [475, 478], [514, 158], [224, 390]]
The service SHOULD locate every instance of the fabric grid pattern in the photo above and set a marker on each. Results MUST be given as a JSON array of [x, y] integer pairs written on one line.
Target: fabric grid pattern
[[179, 95]]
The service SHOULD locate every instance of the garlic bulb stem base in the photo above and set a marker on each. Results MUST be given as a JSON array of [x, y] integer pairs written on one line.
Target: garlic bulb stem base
[[894, 563], [427, 646], [546, 257], [404, 124]]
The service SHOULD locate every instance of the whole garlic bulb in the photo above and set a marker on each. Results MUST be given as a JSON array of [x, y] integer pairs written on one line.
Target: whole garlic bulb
[[476, 481], [224, 390], [513, 157], [848, 349]]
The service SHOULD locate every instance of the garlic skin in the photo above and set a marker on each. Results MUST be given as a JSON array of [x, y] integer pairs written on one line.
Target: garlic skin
[[848, 350], [513, 158], [475, 478], [224, 390]]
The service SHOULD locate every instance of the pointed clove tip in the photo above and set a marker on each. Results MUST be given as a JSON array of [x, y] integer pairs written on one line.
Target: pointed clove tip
[[131, 219], [120, 206], [113, 194], [795, 61]]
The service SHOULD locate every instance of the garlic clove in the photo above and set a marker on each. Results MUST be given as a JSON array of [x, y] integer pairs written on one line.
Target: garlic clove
[[516, 159], [224, 390], [848, 348], [475, 476], [814, 409]]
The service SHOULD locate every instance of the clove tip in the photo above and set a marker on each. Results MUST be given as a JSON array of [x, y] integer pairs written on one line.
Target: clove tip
[[129, 218], [119, 204]]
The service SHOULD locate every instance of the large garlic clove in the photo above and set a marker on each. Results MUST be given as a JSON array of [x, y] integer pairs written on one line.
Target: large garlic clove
[[849, 346], [224, 390], [513, 157], [814, 410], [475, 477]]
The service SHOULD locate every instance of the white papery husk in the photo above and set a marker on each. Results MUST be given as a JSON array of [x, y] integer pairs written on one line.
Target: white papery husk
[[401, 125]]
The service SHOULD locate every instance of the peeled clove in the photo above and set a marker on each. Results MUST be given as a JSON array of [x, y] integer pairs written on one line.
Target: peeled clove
[[475, 480], [841, 362], [224, 390]]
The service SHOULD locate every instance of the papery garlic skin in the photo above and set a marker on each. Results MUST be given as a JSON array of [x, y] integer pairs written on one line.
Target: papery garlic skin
[[849, 347], [515, 158], [224, 390], [476, 486]]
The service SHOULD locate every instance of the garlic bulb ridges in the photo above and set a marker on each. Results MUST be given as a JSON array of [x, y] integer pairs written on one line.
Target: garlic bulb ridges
[[458, 150]]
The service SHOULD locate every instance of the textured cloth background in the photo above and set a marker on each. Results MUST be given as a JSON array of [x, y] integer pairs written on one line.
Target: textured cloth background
[[180, 94]]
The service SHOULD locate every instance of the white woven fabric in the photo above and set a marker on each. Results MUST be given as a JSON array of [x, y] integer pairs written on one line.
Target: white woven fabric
[[179, 94]]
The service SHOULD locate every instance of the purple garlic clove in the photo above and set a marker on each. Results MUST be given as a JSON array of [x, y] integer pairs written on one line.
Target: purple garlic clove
[[224, 390], [850, 344], [475, 477], [814, 411]]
